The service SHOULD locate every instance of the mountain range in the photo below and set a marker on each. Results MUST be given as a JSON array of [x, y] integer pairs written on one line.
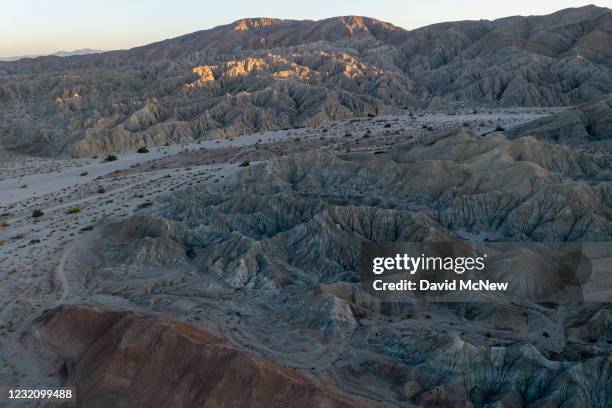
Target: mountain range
[[262, 74], [83, 51]]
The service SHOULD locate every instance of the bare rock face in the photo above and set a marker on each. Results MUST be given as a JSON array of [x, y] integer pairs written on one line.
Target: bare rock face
[[270, 255], [583, 125], [488, 185], [128, 359], [265, 74]]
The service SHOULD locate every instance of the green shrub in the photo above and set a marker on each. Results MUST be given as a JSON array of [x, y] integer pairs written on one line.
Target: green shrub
[[83, 173], [37, 213], [245, 163], [74, 210], [111, 157], [142, 150]]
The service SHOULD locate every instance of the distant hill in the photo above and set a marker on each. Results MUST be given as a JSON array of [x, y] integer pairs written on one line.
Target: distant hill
[[261, 74], [84, 51]]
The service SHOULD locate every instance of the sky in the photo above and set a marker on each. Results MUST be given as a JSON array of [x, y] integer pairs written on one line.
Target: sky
[[37, 27]]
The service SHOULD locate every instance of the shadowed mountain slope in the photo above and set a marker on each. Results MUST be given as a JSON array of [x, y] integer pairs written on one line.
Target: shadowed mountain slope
[[262, 74]]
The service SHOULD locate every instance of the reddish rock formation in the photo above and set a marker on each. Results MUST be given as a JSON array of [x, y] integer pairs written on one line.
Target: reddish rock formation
[[128, 359]]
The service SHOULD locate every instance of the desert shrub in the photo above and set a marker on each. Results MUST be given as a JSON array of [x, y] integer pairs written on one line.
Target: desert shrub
[[142, 150], [388, 125], [111, 157], [371, 115], [499, 128], [37, 213], [245, 163], [101, 190], [74, 210], [4, 223], [84, 173]]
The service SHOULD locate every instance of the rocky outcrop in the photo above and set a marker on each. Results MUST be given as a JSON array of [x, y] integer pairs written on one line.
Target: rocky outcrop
[[121, 358], [270, 255], [516, 61], [300, 220], [583, 125], [263, 74]]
